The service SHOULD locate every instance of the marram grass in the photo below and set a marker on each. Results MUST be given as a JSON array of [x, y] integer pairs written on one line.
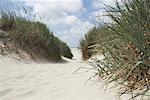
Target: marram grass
[[125, 44], [32, 37]]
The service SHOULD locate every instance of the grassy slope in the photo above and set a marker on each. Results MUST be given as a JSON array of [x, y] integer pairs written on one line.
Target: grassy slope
[[33, 38]]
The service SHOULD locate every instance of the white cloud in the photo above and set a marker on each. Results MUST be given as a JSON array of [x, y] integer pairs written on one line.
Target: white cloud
[[74, 30], [55, 9], [100, 16], [101, 3], [71, 20], [70, 29], [60, 16]]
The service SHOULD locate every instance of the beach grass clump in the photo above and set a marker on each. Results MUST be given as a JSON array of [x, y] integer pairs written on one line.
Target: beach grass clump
[[65, 50], [125, 45], [87, 44], [7, 21], [32, 37], [84, 49]]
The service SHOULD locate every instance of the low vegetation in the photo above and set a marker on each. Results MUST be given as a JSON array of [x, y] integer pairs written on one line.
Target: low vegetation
[[17, 34], [125, 45], [87, 44]]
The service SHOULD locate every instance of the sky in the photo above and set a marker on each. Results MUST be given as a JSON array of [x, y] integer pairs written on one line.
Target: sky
[[69, 20]]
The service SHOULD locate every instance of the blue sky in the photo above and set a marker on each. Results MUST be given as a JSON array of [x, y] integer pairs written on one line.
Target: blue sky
[[67, 19]]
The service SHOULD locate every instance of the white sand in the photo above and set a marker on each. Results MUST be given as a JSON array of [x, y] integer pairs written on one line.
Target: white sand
[[50, 81]]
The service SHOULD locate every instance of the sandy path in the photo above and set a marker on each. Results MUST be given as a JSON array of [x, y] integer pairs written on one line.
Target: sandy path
[[20, 81]]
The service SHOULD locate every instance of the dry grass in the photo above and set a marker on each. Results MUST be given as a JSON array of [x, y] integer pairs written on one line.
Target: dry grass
[[87, 44], [125, 44]]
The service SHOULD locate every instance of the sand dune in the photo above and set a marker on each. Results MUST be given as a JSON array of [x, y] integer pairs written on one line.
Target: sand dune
[[50, 81]]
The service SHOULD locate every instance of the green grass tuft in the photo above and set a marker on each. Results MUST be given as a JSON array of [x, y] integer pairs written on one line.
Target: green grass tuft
[[125, 44]]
